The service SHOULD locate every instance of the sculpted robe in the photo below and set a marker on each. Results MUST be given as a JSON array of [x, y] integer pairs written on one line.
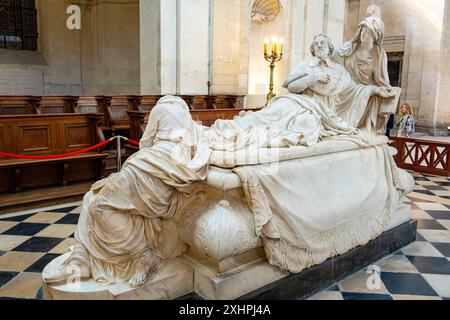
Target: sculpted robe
[[122, 216], [288, 120], [357, 104]]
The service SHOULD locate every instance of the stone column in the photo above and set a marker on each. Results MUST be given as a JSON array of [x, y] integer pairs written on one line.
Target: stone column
[[441, 120], [194, 46], [150, 46], [231, 26], [422, 61], [305, 19], [169, 47]]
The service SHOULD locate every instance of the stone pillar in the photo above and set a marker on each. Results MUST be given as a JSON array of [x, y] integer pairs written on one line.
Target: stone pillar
[[441, 120], [319, 16], [169, 47], [230, 30], [175, 46], [194, 46], [150, 46], [422, 56]]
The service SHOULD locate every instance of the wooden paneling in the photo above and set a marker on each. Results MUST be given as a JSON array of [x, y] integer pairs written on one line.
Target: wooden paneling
[[34, 138], [88, 105], [16, 105], [146, 103], [5, 181], [116, 112], [56, 104], [77, 136], [199, 102], [36, 176], [49, 135], [196, 102], [88, 109], [13, 110], [217, 102], [94, 104], [82, 170], [2, 141], [235, 102]]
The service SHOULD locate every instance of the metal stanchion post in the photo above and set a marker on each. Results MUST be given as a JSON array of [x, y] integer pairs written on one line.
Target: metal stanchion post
[[119, 153]]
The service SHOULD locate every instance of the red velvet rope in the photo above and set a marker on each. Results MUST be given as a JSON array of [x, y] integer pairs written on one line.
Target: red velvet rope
[[65, 155], [57, 156], [136, 143]]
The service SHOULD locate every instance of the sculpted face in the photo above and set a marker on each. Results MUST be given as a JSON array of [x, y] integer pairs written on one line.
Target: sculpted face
[[367, 36], [321, 48]]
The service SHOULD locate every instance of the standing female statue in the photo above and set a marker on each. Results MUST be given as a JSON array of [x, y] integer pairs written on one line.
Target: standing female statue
[[366, 61]]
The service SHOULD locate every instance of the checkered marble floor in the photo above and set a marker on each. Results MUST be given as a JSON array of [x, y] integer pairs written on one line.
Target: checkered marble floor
[[420, 271], [30, 240]]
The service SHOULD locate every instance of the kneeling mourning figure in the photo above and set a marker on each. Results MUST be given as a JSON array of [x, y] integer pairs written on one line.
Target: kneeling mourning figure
[[305, 179]]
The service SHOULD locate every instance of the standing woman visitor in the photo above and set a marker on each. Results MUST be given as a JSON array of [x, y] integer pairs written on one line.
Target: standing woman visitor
[[406, 125]]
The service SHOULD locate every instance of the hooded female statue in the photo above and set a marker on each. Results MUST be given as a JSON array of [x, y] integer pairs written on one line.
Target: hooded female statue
[[370, 68], [119, 232], [365, 59]]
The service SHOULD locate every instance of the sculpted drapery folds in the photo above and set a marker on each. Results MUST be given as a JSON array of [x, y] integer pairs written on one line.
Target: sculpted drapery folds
[[366, 61], [120, 235], [353, 82], [119, 232]]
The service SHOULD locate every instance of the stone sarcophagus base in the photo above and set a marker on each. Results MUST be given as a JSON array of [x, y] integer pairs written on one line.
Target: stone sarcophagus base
[[247, 276], [222, 258]]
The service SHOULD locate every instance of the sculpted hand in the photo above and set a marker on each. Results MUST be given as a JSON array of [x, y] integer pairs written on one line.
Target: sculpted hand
[[384, 93], [323, 78]]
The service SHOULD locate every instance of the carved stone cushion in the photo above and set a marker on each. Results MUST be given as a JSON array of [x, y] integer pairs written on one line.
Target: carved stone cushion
[[218, 223]]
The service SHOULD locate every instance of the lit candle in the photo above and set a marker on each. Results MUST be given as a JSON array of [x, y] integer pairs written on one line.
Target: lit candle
[[266, 46], [281, 45], [274, 45]]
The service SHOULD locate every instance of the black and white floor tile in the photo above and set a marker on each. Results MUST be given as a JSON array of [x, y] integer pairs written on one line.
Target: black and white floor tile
[[29, 240], [420, 271]]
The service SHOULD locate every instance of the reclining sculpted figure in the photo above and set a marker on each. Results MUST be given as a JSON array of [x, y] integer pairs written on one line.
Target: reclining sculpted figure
[[354, 82], [120, 232]]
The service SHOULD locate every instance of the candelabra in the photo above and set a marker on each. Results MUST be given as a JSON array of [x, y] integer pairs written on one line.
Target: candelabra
[[275, 57]]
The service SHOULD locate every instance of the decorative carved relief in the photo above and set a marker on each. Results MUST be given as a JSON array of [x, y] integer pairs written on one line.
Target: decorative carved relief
[[218, 225], [264, 11]]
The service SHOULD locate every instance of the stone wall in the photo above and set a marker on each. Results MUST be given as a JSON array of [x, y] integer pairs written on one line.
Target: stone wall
[[202, 47], [101, 58], [230, 47], [21, 73]]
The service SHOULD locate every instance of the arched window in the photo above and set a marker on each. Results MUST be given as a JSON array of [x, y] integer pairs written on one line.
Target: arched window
[[18, 26]]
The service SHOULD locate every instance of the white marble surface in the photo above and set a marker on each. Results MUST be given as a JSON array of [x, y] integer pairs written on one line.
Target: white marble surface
[[174, 280]]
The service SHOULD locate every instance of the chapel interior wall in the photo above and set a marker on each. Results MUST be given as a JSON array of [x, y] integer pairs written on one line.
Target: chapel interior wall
[[101, 58]]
